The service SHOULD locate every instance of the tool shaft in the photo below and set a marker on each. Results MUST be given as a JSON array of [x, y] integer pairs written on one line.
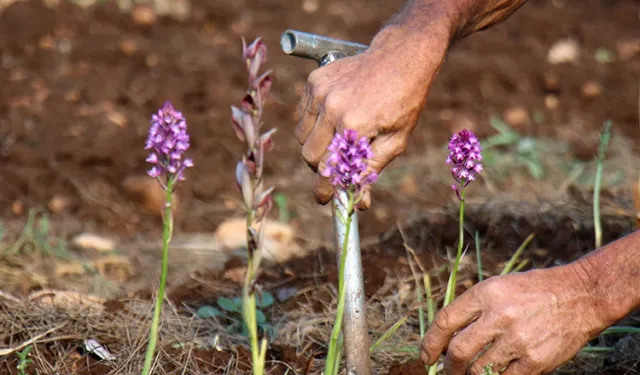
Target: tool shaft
[[325, 50]]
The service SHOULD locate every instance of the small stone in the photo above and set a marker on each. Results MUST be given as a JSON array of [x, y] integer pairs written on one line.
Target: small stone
[[628, 48], [47, 43], [551, 101], [310, 6], [58, 204], [94, 242], [591, 90], [128, 47], [149, 194], [516, 116], [381, 213], [279, 242], [67, 269], [152, 60], [409, 186], [143, 15], [116, 267], [17, 208], [551, 81], [563, 51], [117, 118]]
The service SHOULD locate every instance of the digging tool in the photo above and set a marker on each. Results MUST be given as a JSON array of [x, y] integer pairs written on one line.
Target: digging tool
[[325, 50]]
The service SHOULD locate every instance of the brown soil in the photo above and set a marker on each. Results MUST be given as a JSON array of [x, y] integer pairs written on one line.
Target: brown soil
[[77, 87]]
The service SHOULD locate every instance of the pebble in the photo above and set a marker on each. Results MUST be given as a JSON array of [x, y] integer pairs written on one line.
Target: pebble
[[563, 51], [516, 116], [58, 204], [94, 242], [591, 89], [143, 15], [279, 242]]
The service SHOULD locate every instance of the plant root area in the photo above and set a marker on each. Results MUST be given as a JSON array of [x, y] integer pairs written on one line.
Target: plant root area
[[80, 80]]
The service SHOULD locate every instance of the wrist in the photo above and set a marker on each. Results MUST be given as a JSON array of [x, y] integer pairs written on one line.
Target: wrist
[[610, 276]]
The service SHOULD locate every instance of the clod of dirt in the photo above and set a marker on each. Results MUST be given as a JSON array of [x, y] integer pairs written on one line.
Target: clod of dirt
[[412, 367], [17, 208], [143, 15], [94, 242], [67, 299], [58, 204], [149, 194], [563, 51], [628, 48], [591, 90], [279, 238], [516, 116]]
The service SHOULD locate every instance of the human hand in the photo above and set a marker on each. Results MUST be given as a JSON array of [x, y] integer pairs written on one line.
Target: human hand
[[378, 93], [533, 321]]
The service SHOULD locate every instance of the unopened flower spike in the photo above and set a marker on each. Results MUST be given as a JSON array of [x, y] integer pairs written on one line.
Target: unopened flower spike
[[464, 157], [168, 140], [347, 164]]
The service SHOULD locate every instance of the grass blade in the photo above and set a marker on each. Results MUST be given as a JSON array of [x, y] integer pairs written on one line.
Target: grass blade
[[605, 136], [509, 266]]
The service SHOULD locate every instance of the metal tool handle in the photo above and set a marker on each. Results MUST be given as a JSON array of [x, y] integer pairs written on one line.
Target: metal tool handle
[[325, 50]]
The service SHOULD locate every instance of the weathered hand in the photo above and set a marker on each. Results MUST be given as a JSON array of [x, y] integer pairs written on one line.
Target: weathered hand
[[532, 322], [378, 93]]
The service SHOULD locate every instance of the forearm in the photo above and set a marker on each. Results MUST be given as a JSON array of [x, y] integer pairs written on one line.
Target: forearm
[[463, 17], [612, 274]]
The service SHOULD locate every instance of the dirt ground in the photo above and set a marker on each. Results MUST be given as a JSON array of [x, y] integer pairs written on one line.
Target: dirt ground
[[78, 85]]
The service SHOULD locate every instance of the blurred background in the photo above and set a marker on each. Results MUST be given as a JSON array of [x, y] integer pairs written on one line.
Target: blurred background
[[79, 81]]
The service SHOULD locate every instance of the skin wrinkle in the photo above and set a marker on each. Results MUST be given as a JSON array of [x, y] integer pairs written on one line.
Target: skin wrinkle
[[540, 318]]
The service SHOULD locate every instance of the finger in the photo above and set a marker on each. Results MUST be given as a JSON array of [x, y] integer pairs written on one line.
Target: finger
[[385, 149], [522, 367], [322, 188], [497, 357], [461, 312], [308, 107], [466, 345], [316, 145]]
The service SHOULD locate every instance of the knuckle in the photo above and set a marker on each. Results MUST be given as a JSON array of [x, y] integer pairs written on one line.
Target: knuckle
[[458, 351], [442, 320], [309, 155]]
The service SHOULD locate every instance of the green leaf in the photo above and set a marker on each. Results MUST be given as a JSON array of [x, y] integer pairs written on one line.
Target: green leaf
[[264, 299], [227, 304], [535, 169], [269, 329], [260, 318], [208, 312]]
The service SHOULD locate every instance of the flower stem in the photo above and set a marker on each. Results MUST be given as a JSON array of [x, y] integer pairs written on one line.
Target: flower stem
[[451, 287], [334, 353], [249, 307], [167, 223]]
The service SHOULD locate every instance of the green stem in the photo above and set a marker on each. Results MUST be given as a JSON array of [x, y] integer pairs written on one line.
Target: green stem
[[249, 309], [333, 353], [605, 135], [451, 287], [167, 222]]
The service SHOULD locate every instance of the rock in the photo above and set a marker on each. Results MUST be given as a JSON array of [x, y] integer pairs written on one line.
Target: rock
[[143, 15], [58, 204], [67, 299], [93, 242], [551, 82], [516, 116], [279, 242], [65, 269], [128, 47], [563, 51], [116, 267], [409, 186], [591, 90], [310, 6], [149, 194], [551, 101], [628, 48], [17, 208]]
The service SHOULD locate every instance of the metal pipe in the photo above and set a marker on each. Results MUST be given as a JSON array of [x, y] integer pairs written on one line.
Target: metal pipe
[[320, 48], [325, 50]]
